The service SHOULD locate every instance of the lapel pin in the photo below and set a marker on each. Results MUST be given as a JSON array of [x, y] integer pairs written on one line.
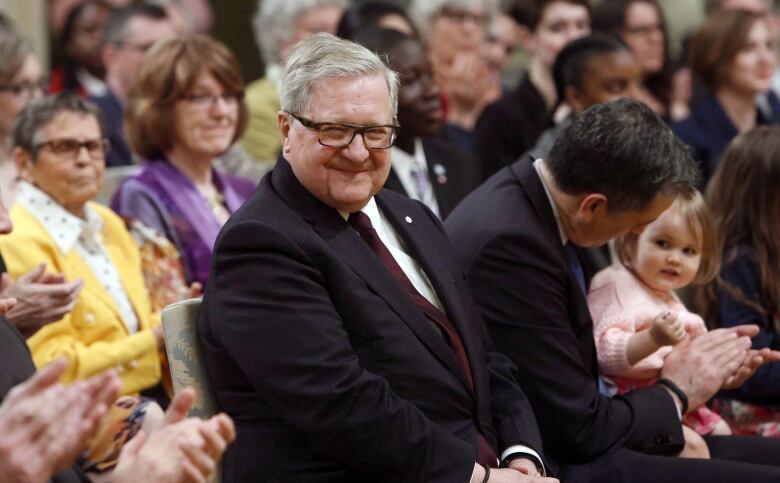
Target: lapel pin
[[408, 219], [441, 173]]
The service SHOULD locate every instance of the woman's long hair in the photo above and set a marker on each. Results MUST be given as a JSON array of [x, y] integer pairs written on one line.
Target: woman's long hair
[[745, 202]]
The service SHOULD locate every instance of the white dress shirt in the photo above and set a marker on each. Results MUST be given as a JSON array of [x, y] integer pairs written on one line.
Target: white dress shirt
[[70, 232], [404, 164]]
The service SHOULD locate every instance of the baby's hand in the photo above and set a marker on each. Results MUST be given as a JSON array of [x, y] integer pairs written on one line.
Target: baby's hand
[[667, 329]]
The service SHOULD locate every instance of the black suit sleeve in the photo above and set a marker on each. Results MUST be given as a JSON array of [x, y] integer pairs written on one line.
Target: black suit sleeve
[[529, 317], [284, 333], [512, 415]]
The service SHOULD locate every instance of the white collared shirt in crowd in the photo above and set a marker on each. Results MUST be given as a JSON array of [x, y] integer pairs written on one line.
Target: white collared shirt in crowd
[[70, 232], [404, 164]]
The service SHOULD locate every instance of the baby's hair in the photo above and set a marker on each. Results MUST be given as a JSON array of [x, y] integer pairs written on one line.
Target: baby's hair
[[697, 215]]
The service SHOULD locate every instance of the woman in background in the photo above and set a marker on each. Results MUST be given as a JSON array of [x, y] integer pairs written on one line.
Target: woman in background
[[184, 110], [733, 55]]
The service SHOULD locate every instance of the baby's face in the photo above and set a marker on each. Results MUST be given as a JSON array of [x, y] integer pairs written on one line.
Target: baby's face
[[667, 253]]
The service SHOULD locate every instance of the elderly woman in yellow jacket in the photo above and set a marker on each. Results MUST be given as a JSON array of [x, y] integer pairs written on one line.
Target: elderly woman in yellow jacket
[[60, 153]]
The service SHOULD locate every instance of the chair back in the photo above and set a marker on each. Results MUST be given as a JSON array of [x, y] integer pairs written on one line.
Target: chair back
[[180, 325]]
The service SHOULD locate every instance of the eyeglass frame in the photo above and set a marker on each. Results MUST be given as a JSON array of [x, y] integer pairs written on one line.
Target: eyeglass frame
[[104, 142], [462, 15], [356, 129], [16, 89], [195, 99]]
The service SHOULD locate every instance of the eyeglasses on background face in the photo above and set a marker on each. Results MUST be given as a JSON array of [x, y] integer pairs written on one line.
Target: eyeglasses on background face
[[339, 135], [26, 90], [207, 101], [69, 148]]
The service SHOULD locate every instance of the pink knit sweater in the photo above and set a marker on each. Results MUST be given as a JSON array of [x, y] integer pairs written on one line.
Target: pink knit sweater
[[621, 305]]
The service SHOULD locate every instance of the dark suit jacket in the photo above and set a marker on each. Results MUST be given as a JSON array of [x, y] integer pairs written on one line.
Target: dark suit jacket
[[510, 126], [708, 131], [119, 154], [510, 249], [328, 368], [461, 173], [16, 366]]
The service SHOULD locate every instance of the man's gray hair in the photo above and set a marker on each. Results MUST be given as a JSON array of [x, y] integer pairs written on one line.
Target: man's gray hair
[[274, 21], [323, 56], [422, 11]]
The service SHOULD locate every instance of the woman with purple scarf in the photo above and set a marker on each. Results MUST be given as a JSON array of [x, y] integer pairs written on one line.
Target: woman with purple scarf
[[185, 109]]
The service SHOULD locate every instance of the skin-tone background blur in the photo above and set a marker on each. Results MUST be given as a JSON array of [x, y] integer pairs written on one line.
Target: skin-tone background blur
[[232, 26]]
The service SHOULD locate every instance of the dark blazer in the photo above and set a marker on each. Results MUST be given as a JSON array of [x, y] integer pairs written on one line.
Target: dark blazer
[[511, 252], [740, 269], [453, 173], [330, 371], [510, 126], [113, 111], [708, 131], [16, 366]]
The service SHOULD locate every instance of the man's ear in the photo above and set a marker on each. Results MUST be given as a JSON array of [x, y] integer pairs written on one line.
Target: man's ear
[[284, 121], [592, 206], [23, 163], [573, 98]]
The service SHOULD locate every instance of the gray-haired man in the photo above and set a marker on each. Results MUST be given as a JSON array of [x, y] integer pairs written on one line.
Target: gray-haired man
[[337, 328]]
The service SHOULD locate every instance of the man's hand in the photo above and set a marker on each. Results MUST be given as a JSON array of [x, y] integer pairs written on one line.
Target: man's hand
[[44, 426], [701, 366], [182, 450], [667, 329], [511, 475], [41, 298], [753, 360]]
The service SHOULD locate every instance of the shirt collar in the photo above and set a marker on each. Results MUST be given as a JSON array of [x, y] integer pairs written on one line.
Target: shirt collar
[[561, 233], [63, 227]]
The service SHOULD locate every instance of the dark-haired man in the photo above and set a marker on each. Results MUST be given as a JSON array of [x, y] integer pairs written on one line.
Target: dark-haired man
[[616, 168], [129, 33]]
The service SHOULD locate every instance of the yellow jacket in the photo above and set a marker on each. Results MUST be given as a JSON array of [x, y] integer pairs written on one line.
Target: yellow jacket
[[262, 139], [93, 336]]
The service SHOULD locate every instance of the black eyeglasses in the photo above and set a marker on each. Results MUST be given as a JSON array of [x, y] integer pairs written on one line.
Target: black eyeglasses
[[338, 135], [207, 101], [70, 148], [27, 90]]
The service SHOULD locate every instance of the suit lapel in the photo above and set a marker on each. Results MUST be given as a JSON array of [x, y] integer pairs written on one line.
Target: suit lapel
[[419, 246], [347, 243]]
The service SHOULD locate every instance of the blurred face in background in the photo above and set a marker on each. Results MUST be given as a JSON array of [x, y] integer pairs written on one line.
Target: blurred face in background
[[124, 58], [322, 18], [752, 68], [644, 35], [559, 24], [23, 87], [457, 29], [419, 106], [607, 77], [205, 119], [501, 39], [86, 40]]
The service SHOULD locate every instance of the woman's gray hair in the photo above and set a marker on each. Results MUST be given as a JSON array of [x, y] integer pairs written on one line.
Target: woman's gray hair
[[40, 112], [422, 11], [323, 56], [274, 21]]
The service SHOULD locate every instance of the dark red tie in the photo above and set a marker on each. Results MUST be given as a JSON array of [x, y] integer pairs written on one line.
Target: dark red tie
[[362, 224]]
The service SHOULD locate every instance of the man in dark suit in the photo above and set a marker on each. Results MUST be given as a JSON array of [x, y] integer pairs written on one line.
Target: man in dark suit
[[519, 237], [337, 328]]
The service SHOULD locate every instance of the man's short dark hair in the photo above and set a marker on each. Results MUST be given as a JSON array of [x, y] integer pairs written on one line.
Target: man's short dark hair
[[529, 12], [40, 112], [116, 25], [572, 61], [623, 150]]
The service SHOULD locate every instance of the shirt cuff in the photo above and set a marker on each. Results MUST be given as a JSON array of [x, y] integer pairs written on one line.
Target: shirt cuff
[[523, 451]]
